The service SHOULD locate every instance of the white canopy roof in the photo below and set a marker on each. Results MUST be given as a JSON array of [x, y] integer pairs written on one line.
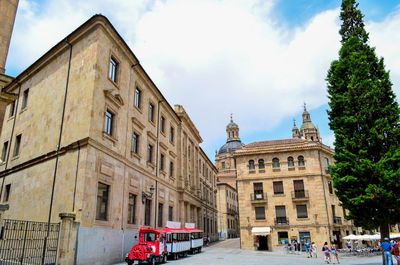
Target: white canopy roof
[[261, 231], [370, 237]]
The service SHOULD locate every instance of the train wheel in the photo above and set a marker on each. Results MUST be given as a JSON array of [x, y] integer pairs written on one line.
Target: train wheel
[[199, 249], [175, 255], [164, 259], [153, 261]]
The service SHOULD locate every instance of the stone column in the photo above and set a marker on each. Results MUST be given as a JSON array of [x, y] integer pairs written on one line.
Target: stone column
[[182, 212], [196, 223], [68, 237], [3, 208]]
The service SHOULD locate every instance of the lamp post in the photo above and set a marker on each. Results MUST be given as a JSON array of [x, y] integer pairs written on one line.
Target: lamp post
[[148, 196]]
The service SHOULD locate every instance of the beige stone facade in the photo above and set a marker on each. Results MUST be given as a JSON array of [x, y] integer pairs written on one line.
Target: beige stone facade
[[228, 212], [90, 123], [8, 9], [285, 191]]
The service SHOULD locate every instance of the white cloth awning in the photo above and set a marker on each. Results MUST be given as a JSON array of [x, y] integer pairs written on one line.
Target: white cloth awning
[[261, 231]]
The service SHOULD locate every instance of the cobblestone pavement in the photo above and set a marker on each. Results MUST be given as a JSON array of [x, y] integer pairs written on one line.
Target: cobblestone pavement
[[228, 252]]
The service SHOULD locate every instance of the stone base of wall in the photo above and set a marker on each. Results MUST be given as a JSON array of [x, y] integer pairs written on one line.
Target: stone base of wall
[[103, 246]]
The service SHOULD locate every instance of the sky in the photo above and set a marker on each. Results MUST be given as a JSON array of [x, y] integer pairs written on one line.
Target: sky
[[259, 60]]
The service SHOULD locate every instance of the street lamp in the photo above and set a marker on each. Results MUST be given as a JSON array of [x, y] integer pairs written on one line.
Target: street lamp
[[147, 196]]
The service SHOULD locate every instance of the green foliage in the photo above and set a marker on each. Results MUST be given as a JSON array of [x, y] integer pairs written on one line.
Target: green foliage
[[364, 116]]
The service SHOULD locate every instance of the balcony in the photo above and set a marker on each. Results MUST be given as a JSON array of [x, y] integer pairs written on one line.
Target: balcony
[[337, 220], [281, 221], [300, 195], [258, 197], [231, 211]]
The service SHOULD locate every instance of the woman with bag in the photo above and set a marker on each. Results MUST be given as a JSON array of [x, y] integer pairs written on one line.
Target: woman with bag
[[327, 252]]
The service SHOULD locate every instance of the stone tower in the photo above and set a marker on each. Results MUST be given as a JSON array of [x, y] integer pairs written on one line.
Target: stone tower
[[295, 131], [308, 130], [224, 160], [8, 10]]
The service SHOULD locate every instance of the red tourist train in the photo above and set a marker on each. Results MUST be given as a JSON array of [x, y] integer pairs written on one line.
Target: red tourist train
[[155, 245]]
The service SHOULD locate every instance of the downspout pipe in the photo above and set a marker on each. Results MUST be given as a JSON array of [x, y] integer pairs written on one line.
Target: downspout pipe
[[58, 148], [11, 137], [326, 203]]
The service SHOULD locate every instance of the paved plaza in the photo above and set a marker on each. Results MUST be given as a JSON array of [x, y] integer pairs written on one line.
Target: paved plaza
[[229, 252]]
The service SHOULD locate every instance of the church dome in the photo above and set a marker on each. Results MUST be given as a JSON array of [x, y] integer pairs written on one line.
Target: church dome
[[232, 146], [307, 125]]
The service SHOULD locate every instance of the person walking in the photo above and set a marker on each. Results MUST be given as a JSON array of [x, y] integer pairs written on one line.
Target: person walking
[[348, 244], [386, 247], [308, 248], [395, 252], [334, 254], [314, 249], [327, 252]]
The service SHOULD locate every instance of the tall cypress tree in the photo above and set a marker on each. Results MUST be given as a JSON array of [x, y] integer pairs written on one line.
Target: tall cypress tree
[[364, 116]]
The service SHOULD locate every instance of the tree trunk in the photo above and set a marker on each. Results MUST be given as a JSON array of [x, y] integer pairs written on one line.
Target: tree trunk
[[384, 228]]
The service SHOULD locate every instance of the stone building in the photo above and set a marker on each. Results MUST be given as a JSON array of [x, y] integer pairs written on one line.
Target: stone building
[[91, 134], [8, 10], [285, 192], [228, 214]]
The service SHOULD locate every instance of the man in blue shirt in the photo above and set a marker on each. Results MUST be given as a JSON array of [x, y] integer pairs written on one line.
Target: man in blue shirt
[[308, 248], [387, 247]]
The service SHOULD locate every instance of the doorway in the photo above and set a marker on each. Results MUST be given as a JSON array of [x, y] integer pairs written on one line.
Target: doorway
[[304, 236], [336, 239], [262, 242]]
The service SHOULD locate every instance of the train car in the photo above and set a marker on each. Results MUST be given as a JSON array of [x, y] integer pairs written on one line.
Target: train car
[[178, 242], [151, 248], [196, 240]]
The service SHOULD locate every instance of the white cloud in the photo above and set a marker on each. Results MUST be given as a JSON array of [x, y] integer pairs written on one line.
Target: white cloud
[[213, 57]]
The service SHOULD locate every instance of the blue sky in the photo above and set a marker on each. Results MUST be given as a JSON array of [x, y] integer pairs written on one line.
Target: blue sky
[[260, 60]]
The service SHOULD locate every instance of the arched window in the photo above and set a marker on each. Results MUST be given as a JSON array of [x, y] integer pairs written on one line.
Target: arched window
[[275, 163], [290, 161], [261, 164], [301, 161], [251, 165]]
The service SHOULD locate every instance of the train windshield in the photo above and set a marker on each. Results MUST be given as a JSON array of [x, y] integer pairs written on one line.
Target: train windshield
[[149, 237]]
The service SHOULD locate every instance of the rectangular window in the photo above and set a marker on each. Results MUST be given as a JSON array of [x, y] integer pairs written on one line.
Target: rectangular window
[[162, 125], [258, 191], [160, 214], [170, 213], [151, 112], [283, 238], [12, 109], [7, 193], [17, 145], [326, 161], [333, 211], [102, 201], [260, 213], [150, 153], [137, 97], [280, 212], [108, 128], [4, 151], [162, 160], [301, 211], [171, 169], [223, 165], [25, 99], [132, 209], [135, 143], [330, 187], [113, 70], [147, 211], [299, 188], [278, 187], [171, 136]]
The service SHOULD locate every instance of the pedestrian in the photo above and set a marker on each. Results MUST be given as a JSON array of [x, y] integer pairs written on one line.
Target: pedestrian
[[314, 249], [386, 247], [356, 245], [348, 244], [298, 248], [308, 248], [327, 252], [334, 254], [395, 252]]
